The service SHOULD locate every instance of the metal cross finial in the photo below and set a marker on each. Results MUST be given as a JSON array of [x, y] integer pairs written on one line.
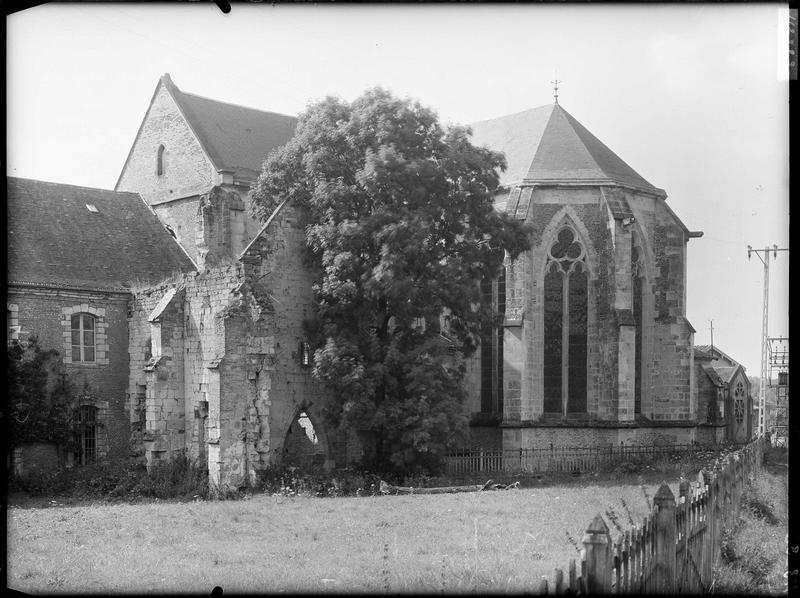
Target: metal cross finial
[[555, 87]]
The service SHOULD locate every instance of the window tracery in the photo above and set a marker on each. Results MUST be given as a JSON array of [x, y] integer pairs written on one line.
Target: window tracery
[[565, 325], [738, 402]]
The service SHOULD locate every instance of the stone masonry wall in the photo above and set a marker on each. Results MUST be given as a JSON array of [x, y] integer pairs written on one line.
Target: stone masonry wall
[[542, 437], [281, 282], [165, 428], [212, 227], [707, 402], [241, 380], [187, 169], [191, 378], [523, 378], [103, 383], [668, 385], [671, 369], [181, 216]]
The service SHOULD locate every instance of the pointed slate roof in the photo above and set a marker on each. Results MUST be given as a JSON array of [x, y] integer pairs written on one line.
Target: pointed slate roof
[[235, 138], [547, 145], [56, 239]]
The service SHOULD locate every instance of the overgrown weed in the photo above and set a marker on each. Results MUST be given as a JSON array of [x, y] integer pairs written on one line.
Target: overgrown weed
[[753, 551], [117, 480]]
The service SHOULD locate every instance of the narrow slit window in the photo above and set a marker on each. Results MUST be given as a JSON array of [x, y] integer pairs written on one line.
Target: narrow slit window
[[160, 160]]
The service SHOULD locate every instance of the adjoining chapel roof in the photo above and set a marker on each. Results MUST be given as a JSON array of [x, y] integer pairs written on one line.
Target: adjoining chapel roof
[[726, 373], [723, 366], [547, 145], [235, 138], [716, 353], [68, 236], [713, 376]]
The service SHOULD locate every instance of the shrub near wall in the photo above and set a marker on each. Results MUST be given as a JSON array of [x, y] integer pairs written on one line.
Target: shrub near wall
[[117, 480]]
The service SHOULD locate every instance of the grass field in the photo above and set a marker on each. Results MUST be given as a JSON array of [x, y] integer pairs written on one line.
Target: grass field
[[501, 541]]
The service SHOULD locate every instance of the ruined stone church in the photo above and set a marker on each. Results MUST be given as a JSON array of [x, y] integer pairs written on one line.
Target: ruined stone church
[[186, 315]]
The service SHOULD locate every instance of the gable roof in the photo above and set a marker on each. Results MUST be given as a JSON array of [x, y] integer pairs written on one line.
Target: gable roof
[[713, 376], [716, 353], [54, 239], [722, 364], [726, 373], [547, 145], [235, 138]]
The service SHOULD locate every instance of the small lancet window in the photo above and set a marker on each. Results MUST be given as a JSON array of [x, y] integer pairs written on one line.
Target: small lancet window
[[160, 160]]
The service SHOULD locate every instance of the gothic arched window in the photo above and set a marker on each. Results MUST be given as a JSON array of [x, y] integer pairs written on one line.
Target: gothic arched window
[[566, 284], [738, 403]]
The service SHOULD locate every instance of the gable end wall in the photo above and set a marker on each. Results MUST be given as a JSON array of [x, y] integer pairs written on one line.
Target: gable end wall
[[187, 168]]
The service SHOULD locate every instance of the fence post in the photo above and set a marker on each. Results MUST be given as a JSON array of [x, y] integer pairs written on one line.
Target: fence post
[[665, 532], [708, 536], [597, 544], [558, 581], [739, 475]]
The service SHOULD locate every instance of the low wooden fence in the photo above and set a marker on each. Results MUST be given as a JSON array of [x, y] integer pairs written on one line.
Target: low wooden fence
[[562, 459], [674, 548]]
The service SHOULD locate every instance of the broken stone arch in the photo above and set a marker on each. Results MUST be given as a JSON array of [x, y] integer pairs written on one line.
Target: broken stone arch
[[305, 443]]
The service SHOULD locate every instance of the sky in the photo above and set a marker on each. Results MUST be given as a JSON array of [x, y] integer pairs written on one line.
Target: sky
[[694, 97]]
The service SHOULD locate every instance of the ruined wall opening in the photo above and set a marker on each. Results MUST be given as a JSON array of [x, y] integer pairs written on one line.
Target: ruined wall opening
[[303, 447]]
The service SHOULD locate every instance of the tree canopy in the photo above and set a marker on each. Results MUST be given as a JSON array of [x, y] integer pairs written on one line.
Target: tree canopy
[[401, 224], [40, 397]]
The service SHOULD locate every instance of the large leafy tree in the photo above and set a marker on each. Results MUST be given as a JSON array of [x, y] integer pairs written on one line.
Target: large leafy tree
[[401, 225], [40, 396]]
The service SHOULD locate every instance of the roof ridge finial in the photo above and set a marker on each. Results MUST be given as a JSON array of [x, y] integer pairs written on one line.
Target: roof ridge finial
[[555, 86], [167, 80]]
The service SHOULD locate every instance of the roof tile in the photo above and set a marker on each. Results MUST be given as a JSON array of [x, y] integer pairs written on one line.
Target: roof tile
[[236, 138], [548, 145], [54, 239]]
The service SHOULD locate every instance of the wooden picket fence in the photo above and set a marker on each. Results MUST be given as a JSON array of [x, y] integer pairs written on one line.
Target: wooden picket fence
[[561, 459], [674, 548]]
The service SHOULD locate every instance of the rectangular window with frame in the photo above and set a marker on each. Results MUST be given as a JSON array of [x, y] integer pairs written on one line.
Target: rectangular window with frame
[[87, 434], [82, 328]]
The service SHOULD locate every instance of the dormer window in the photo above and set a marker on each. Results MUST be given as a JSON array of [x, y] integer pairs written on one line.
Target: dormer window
[[160, 160]]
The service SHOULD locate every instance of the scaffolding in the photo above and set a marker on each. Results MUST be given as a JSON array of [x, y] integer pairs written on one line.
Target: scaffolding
[[778, 361]]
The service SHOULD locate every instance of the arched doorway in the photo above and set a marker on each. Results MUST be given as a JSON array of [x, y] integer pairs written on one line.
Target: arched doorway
[[303, 447]]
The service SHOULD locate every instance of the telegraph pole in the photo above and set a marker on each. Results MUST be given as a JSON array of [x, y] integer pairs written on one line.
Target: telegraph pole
[[762, 391]]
